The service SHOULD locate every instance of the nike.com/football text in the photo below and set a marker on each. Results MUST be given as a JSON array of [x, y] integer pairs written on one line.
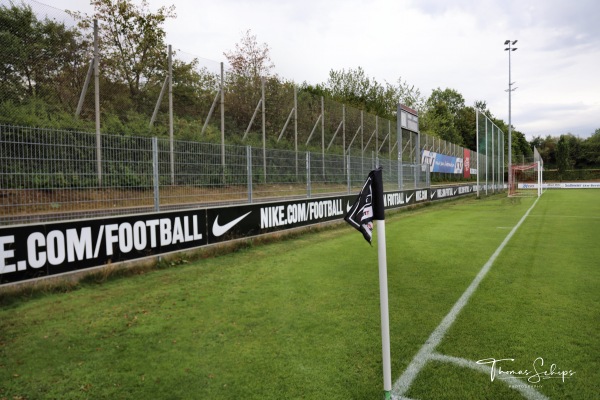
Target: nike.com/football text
[[299, 212]]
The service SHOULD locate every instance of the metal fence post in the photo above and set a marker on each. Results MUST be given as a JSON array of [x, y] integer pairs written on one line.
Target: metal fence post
[[377, 135], [400, 149], [486, 157], [296, 127], [344, 130], [171, 149], [477, 147], [264, 132], [362, 145], [86, 84], [157, 106], [493, 163], [323, 134], [417, 156], [223, 120], [390, 140], [97, 103], [249, 171], [308, 188], [155, 177], [348, 173]]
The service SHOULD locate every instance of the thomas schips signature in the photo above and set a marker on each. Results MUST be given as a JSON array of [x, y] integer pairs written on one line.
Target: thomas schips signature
[[534, 375]]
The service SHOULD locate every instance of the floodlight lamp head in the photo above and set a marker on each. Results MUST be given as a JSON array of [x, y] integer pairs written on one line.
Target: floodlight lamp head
[[514, 48], [506, 49], [514, 41], [506, 42]]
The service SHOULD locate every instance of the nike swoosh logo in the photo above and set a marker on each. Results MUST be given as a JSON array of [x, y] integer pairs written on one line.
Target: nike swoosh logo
[[409, 197], [433, 194], [456, 191], [220, 230], [348, 206]]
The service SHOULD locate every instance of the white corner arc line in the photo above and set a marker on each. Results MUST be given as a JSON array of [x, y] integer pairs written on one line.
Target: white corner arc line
[[403, 383]]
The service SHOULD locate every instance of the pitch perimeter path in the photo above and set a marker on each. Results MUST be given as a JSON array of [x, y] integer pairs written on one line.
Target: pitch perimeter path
[[427, 352]]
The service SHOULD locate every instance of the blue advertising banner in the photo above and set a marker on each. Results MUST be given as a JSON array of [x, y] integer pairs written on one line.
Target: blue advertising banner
[[442, 163]]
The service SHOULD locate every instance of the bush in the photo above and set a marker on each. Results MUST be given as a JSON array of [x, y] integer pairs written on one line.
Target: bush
[[572, 175]]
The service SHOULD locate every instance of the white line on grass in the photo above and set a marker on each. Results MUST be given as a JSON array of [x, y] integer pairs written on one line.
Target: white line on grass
[[402, 385]]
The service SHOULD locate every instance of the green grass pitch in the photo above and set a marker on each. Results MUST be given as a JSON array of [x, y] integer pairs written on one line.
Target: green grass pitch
[[299, 318]]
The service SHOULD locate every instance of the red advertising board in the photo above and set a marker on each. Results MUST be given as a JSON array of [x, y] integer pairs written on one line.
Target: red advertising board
[[467, 163]]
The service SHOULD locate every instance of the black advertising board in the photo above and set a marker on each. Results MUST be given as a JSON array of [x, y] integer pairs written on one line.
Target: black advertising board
[[396, 199], [442, 193], [39, 250], [31, 251], [234, 222]]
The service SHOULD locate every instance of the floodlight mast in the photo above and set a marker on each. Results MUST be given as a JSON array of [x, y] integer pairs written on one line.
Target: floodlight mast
[[510, 49]]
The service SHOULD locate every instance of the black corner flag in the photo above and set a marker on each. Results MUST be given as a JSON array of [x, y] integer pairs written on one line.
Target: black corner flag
[[368, 206]]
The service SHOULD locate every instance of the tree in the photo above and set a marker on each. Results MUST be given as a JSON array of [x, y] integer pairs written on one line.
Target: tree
[[441, 114], [580, 153], [354, 87], [193, 89], [250, 59], [520, 146], [452, 100], [250, 63], [481, 105], [404, 93], [537, 142], [37, 58], [575, 156], [590, 149], [562, 155], [465, 123], [132, 42], [547, 149], [315, 90]]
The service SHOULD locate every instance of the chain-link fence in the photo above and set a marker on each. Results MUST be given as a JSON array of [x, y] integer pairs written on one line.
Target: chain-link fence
[[53, 174]]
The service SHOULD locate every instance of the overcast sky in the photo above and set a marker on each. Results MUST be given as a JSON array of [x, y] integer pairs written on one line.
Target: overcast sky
[[457, 44]]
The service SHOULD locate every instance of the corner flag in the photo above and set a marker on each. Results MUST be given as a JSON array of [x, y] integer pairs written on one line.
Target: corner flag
[[368, 206]]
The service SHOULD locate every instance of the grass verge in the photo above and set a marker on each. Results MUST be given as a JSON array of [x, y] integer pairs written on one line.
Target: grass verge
[[300, 318]]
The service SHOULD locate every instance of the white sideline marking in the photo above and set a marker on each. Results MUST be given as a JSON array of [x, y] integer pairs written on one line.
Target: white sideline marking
[[403, 383]]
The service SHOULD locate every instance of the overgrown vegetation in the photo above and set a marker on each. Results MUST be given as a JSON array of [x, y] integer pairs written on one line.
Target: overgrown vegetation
[[44, 63], [568, 152]]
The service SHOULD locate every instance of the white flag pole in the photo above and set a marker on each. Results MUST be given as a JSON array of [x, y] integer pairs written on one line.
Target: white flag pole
[[385, 319], [368, 207]]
